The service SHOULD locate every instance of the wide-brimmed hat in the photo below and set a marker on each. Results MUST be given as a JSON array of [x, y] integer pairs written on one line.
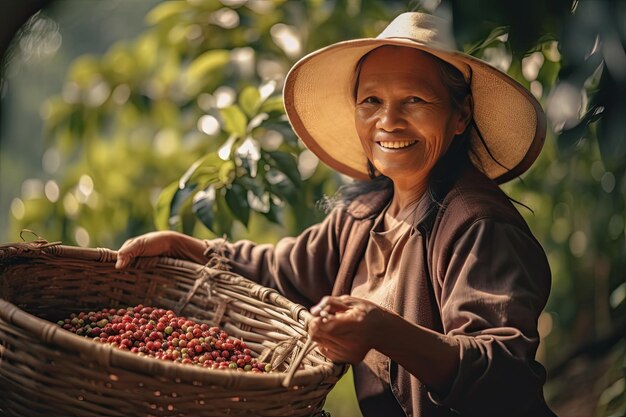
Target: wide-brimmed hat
[[320, 103]]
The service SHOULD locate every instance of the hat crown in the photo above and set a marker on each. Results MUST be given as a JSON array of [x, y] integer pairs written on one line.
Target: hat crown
[[422, 28]]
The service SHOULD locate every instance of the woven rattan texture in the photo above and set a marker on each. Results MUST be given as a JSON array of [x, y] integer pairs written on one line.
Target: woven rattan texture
[[48, 371]]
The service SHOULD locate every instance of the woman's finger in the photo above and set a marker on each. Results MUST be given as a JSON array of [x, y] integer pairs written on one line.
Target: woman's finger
[[331, 345], [330, 305], [338, 351], [332, 326], [130, 249]]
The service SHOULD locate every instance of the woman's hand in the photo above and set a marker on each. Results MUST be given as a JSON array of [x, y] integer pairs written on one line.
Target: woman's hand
[[163, 243], [346, 328]]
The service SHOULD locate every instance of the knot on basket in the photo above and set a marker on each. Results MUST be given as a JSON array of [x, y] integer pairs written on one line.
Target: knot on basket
[[295, 348], [216, 254], [204, 282]]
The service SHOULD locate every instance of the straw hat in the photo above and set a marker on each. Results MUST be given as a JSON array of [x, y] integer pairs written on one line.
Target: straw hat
[[320, 105]]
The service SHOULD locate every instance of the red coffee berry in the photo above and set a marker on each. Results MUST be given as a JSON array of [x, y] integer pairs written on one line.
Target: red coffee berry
[[160, 334]]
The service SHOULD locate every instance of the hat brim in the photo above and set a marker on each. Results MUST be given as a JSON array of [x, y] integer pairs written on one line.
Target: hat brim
[[319, 102]]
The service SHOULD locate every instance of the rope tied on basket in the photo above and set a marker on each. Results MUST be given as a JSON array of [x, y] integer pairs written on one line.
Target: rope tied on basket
[[205, 282], [217, 262], [288, 348], [216, 255]]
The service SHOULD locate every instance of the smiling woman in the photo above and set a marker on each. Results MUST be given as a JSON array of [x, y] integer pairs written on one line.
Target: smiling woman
[[408, 121], [423, 276]]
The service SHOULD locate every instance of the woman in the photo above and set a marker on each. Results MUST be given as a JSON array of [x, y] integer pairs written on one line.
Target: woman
[[426, 278]]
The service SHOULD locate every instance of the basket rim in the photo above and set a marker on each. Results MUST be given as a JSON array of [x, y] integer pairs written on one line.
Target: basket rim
[[112, 357]]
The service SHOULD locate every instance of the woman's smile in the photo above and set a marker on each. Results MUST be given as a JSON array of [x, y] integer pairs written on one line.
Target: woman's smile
[[395, 146]]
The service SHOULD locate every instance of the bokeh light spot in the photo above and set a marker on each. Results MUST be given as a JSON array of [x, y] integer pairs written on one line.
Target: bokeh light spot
[[271, 140], [81, 236], [52, 191], [18, 209], [307, 164], [608, 182], [286, 38], [226, 18], [32, 188], [51, 160], [224, 96], [578, 243], [208, 124]]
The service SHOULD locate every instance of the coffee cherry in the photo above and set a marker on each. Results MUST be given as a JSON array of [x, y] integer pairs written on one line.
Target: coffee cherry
[[160, 334]]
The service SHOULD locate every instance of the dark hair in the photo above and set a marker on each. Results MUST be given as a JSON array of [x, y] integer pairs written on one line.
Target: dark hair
[[446, 170]]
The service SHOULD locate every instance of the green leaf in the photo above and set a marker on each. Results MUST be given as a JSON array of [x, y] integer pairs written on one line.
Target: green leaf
[[208, 62], [485, 43], [58, 112], [569, 138], [287, 164], [163, 205], [284, 188], [612, 138], [203, 207], [249, 100], [82, 70], [272, 214], [203, 172], [251, 185], [226, 173], [237, 200], [549, 72], [273, 104], [235, 121], [202, 69], [223, 222], [166, 10], [181, 196]]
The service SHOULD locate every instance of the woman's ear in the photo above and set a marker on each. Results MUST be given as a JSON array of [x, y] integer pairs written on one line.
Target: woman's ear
[[464, 115]]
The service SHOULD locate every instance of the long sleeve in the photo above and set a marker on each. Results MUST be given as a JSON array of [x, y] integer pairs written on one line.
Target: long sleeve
[[302, 268], [494, 282]]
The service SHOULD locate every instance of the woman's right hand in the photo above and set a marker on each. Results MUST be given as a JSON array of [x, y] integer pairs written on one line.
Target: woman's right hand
[[161, 243]]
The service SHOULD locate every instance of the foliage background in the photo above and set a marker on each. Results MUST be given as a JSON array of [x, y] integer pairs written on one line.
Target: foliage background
[[122, 117]]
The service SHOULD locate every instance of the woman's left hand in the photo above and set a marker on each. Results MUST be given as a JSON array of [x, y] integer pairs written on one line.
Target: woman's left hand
[[346, 328]]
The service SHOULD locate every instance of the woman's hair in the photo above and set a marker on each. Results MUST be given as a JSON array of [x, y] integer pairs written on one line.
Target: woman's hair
[[447, 169]]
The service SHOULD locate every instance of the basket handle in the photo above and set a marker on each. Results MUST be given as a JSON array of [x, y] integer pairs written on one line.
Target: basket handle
[[42, 246], [10, 250]]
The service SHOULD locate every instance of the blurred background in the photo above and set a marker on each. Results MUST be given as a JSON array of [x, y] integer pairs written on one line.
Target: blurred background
[[122, 117]]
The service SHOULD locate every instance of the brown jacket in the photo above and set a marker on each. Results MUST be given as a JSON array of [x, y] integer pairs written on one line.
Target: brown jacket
[[478, 274]]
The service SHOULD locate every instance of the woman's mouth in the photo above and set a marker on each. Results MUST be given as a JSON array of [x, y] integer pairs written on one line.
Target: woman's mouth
[[396, 144]]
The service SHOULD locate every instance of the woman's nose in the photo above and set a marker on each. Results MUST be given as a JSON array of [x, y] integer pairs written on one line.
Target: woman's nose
[[390, 118]]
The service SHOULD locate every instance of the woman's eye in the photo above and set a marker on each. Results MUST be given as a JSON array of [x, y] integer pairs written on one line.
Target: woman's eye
[[371, 100], [414, 99]]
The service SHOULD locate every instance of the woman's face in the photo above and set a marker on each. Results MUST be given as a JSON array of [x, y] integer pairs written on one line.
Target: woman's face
[[404, 116]]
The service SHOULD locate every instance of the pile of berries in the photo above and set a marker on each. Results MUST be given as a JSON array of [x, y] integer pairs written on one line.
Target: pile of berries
[[161, 334]]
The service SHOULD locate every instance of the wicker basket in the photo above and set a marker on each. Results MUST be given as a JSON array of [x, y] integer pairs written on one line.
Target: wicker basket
[[48, 371]]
